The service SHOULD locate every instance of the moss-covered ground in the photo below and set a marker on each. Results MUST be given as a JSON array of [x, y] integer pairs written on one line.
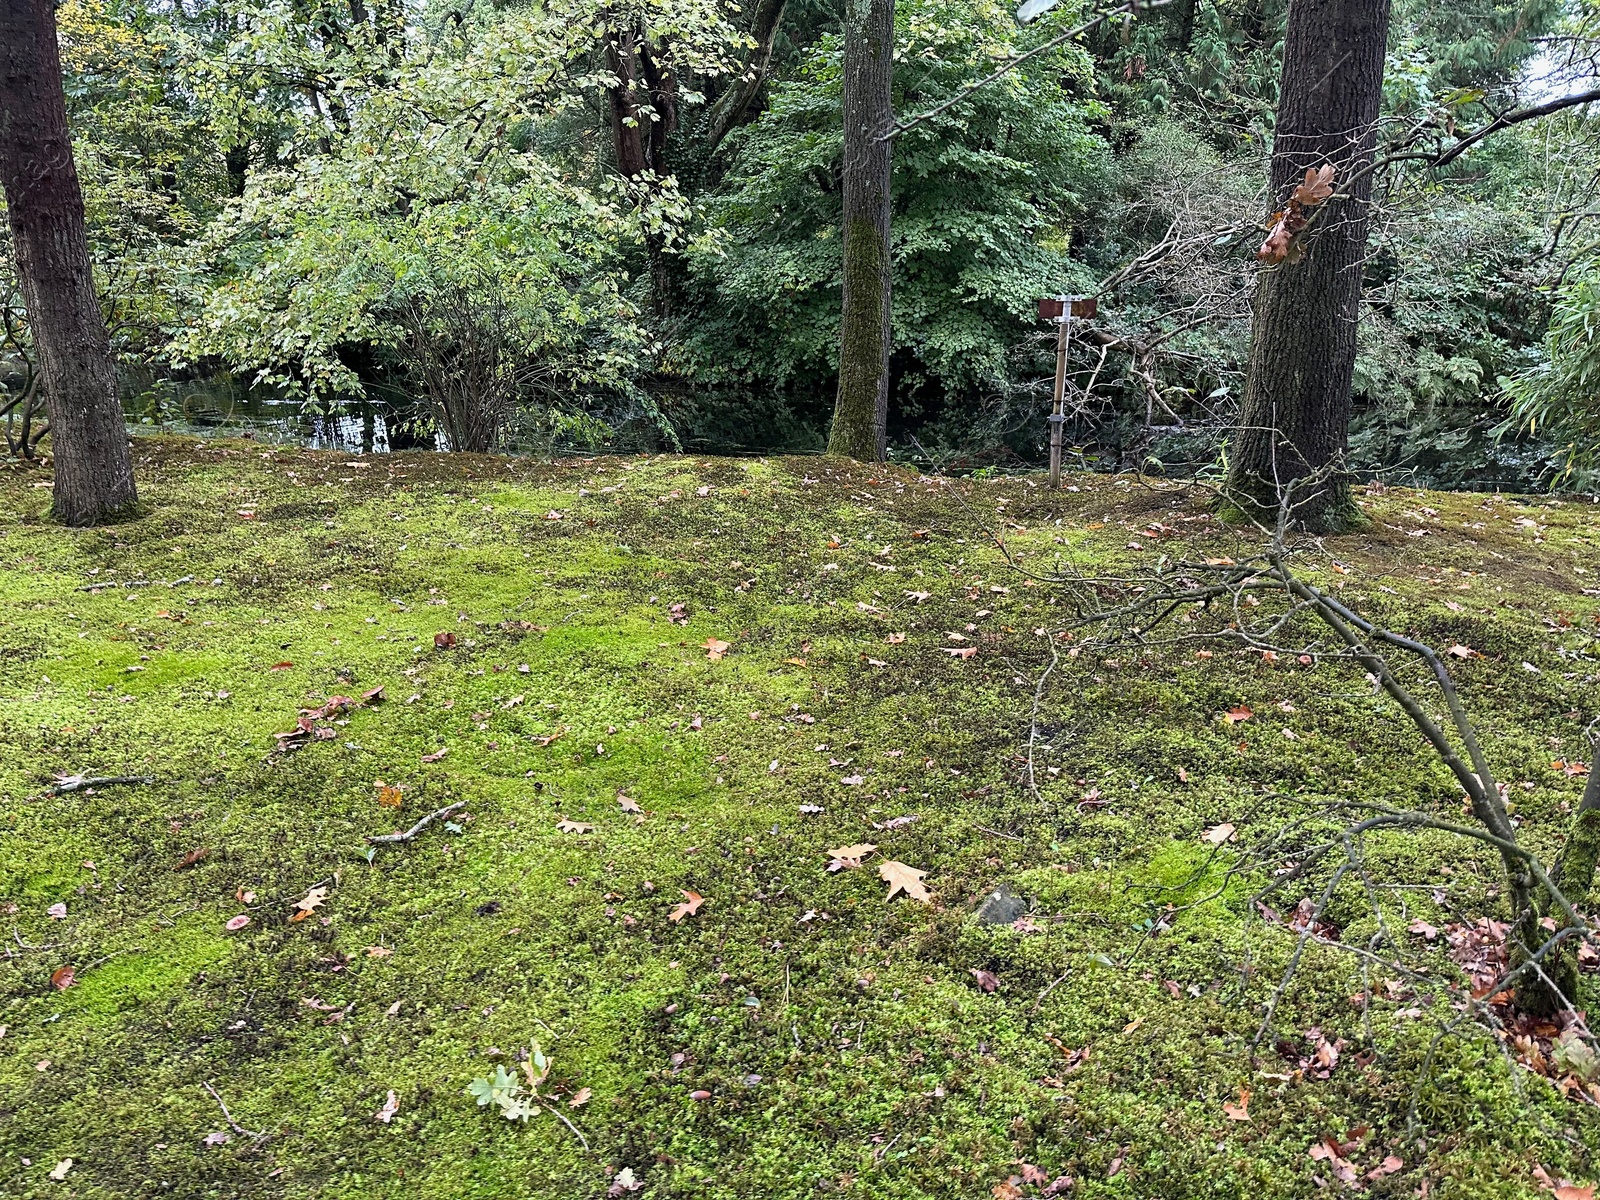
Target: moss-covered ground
[[799, 1035]]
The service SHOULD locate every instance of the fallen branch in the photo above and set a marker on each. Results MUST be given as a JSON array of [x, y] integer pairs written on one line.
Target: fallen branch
[[560, 1116], [76, 783], [228, 1117], [387, 839]]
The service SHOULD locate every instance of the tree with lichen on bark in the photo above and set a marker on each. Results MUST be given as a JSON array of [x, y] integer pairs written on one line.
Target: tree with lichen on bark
[[860, 415]]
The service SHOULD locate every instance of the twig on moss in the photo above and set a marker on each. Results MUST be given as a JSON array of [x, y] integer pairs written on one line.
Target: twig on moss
[[74, 783], [259, 1136], [560, 1116], [388, 839]]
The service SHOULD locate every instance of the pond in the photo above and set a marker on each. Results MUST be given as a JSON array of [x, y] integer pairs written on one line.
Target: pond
[[224, 406]]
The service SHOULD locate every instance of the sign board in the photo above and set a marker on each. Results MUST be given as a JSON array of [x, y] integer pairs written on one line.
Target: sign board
[[1053, 308]]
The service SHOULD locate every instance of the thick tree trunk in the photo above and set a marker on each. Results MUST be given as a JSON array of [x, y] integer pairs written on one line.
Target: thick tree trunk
[[1296, 412], [732, 105], [860, 415], [93, 466]]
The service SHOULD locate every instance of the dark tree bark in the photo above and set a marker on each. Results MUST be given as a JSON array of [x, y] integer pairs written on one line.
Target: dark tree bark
[[627, 134], [1296, 411], [93, 466], [860, 414], [732, 105]]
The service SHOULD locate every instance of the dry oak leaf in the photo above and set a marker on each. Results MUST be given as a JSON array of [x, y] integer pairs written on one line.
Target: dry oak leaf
[[1240, 712], [1218, 834], [691, 905], [303, 908], [961, 652], [628, 803], [566, 826], [1460, 651], [1316, 188], [902, 878], [580, 1098], [388, 797], [715, 648]]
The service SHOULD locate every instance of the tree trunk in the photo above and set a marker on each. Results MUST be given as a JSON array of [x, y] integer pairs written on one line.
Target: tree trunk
[[860, 415], [93, 466], [732, 105], [1295, 416]]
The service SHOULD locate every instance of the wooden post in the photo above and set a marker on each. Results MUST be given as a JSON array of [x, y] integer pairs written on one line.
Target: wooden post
[[1057, 413]]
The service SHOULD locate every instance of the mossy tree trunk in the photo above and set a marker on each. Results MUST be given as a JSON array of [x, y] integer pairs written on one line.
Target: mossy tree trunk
[[1574, 875], [1295, 416], [860, 415], [93, 465]]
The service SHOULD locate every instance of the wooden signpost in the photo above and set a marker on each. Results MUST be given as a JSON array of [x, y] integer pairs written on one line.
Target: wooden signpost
[[1063, 310]]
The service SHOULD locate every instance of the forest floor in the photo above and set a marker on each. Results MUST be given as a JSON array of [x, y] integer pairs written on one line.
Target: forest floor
[[546, 638]]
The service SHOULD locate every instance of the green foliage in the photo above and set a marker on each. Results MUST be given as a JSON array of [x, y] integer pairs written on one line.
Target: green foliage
[[1560, 398], [989, 198]]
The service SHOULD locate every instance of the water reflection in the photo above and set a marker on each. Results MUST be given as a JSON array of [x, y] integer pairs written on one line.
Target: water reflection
[[222, 406]]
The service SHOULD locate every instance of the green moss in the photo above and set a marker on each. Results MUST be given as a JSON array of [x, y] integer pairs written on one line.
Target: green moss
[[844, 1041]]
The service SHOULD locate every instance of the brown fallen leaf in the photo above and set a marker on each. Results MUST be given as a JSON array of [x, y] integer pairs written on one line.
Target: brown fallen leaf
[[1218, 834], [283, 666], [379, 952], [63, 977], [1460, 651], [303, 908], [987, 980], [691, 905], [1241, 1110], [715, 648], [902, 878], [580, 1098], [896, 638], [388, 797], [542, 742], [443, 641], [566, 826], [961, 652], [436, 755], [194, 856], [628, 804]]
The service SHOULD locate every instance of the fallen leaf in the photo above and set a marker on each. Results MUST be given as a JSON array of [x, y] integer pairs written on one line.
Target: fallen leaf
[[436, 755], [691, 905], [1460, 651], [62, 978], [1238, 713], [59, 1171], [391, 1105], [57, 911], [580, 1098], [987, 980], [389, 797], [849, 856], [715, 648], [1239, 1111], [303, 908], [443, 641], [189, 859], [626, 1181], [960, 652], [628, 804], [236, 923], [245, 896], [283, 666], [896, 638], [379, 952], [902, 878], [566, 826], [1218, 834], [216, 1138], [1567, 1191]]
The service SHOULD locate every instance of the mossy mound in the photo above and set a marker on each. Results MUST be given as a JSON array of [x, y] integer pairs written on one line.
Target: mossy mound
[[798, 1035]]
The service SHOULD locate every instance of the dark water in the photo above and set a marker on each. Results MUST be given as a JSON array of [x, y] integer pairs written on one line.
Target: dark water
[[223, 406]]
